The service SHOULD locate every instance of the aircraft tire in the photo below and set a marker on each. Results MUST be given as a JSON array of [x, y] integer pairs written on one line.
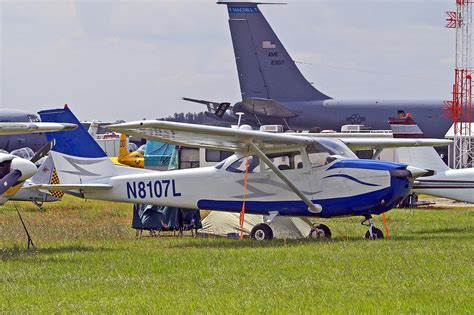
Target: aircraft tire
[[320, 231], [262, 232], [378, 234]]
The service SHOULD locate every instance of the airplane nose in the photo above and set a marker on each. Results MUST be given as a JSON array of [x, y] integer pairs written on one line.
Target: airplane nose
[[27, 168], [416, 172], [410, 172]]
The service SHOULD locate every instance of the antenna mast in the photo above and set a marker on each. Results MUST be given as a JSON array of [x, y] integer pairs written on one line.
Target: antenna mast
[[460, 108]]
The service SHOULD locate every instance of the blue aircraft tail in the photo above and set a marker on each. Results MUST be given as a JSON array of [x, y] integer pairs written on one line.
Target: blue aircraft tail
[[77, 142], [265, 68]]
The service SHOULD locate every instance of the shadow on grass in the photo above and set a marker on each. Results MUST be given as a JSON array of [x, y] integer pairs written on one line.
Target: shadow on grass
[[442, 230], [18, 253], [216, 242]]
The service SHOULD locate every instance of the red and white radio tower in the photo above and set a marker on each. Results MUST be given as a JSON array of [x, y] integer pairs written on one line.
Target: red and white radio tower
[[460, 108]]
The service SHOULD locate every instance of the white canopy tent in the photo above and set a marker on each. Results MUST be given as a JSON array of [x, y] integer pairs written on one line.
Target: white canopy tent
[[227, 223]]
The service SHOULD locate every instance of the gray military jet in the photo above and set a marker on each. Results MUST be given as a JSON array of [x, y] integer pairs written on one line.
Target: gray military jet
[[275, 92]]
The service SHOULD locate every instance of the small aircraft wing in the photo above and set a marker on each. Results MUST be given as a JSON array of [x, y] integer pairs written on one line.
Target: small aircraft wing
[[218, 138], [15, 128], [377, 141], [384, 143]]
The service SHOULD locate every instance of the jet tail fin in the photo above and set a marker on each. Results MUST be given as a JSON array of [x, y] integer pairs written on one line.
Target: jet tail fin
[[421, 157], [265, 68]]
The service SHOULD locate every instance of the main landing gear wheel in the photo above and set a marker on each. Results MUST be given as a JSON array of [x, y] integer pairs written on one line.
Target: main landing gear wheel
[[262, 232], [373, 233], [320, 231], [376, 234]]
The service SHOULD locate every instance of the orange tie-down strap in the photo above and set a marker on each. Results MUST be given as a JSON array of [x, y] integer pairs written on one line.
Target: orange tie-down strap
[[384, 219], [242, 212]]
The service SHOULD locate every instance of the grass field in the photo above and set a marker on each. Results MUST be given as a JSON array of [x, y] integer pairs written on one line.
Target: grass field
[[87, 260]]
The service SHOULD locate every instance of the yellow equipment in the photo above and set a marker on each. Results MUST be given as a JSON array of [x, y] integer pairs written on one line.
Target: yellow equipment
[[133, 159]]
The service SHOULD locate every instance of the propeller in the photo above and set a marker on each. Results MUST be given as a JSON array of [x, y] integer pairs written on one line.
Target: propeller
[[9, 180], [14, 170]]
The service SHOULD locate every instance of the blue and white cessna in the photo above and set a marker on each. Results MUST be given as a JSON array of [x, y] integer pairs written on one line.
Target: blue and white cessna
[[289, 175]]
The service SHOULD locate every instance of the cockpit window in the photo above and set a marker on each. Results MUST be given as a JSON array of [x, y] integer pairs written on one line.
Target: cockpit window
[[33, 118], [239, 165], [320, 151], [24, 153]]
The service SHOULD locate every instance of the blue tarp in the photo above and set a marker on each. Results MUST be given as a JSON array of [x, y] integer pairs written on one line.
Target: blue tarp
[[158, 154], [148, 217]]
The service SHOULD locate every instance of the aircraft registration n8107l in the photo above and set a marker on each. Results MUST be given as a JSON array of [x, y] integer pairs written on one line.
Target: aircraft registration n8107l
[[285, 174]]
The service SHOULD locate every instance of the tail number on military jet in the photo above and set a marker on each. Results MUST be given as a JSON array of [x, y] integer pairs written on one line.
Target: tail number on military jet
[[152, 189]]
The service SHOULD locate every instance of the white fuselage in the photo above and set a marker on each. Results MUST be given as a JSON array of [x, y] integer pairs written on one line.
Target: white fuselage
[[452, 184]]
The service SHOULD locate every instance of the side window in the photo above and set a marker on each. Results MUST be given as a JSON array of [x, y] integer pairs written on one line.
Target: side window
[[317, 154], [286, 161], [239, 165], [216, 155]]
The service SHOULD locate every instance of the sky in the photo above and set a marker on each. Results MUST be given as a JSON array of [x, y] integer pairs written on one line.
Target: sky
[[131, 60]]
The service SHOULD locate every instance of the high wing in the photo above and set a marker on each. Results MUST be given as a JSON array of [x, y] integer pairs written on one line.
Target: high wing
[[218, 138], [377, 141], [14, 128], [384, 143]]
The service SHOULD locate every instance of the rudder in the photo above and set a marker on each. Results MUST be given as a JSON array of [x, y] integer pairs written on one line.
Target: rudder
[[265, 68]]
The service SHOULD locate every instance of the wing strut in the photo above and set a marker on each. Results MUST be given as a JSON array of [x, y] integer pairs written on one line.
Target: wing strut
[[315, 208]]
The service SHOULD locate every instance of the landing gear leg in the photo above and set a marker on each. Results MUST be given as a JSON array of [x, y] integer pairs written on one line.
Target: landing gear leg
[[373, 233]]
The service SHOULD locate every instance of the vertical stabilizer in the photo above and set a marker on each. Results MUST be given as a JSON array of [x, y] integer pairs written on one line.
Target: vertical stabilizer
[[123, 150], [76, 155], [421, 157], [265, 68]]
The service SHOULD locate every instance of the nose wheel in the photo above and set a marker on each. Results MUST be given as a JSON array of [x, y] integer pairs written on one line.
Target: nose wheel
[[320, 231], [373, 233]]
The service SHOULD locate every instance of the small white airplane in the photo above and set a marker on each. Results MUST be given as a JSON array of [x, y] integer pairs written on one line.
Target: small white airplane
[[320, 177], [14, 171], [456, 184]]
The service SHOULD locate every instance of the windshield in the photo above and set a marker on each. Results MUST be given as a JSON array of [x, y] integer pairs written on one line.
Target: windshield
[[240, 165], [337, 147], [320, 151]]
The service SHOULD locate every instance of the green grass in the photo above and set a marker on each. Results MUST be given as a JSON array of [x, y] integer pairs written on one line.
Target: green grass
[[88, 260]]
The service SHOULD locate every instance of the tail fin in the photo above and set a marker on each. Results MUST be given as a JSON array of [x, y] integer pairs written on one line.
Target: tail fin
[[123, 150], [47, 174], [265, 68], [77, 156], [421, 157]]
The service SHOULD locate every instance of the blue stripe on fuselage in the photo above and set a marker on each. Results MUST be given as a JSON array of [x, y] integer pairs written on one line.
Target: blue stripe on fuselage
[[368, 164], [353, 179], [368, 203]]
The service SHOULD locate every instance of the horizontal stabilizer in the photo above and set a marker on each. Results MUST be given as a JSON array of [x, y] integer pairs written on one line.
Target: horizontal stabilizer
[[265, 107], [67, 187]]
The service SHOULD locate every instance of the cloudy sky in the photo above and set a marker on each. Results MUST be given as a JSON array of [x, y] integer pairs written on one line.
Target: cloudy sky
[[135, 59]]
